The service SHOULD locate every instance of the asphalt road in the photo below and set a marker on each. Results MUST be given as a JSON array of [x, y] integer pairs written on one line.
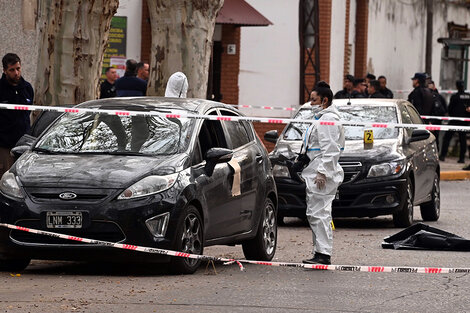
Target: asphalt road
[[77, 287]]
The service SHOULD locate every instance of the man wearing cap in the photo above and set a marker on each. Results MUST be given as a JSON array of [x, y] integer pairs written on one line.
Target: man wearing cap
[[347, 88], [421, 96]]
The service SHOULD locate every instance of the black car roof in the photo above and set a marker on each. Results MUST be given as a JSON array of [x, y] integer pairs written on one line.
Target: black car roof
[[151, 103]]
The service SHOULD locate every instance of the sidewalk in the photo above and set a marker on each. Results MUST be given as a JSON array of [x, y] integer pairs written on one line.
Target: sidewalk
[[451, 170]]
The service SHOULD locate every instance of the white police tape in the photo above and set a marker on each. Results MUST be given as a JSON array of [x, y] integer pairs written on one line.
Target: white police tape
[[341, 268], [233, 118]]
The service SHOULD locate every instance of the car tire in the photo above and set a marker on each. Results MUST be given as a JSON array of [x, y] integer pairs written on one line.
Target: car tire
[[404, 217], [13, 265], [263, 246], [189, 239], [430, 211]]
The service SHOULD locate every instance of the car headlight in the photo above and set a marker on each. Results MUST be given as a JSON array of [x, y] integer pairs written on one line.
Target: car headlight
[[9, 186], [387, 169], [281, 171], [149, 185]]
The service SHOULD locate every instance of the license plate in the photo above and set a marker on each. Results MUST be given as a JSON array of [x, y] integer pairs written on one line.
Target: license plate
[[65, 219]]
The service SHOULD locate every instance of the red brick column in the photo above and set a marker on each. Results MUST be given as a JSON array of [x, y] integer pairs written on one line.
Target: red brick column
[[324, 10], [362, 23], [230, 64], [347, 52], [146, 34]]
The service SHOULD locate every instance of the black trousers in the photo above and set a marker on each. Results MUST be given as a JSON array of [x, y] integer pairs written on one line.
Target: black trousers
[[463, 144]]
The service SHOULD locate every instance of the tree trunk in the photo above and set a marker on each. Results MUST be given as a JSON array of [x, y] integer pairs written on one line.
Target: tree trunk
[[73, 35], [181, 41]]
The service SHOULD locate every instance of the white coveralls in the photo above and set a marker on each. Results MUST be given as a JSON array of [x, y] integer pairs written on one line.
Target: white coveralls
[[323, 144], [177, 86]]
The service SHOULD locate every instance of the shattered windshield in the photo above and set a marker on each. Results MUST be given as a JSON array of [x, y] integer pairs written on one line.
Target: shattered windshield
[[368, 114], [103, 133]]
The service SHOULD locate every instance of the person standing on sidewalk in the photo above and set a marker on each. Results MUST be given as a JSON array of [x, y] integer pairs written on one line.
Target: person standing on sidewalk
[[130, 85], [322, 148], [14, 89], [107, 87], [457, 108]]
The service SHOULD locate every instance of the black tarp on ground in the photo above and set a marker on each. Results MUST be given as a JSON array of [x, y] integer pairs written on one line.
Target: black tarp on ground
[[424, 237]]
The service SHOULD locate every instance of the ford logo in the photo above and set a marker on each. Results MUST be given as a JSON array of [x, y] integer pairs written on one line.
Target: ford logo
[[67, 196]]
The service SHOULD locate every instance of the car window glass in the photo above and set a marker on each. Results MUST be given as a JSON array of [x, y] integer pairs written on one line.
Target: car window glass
[[295, 131], [406, 118], [103, 133], [236, 131], [211, 135], [414, 115]]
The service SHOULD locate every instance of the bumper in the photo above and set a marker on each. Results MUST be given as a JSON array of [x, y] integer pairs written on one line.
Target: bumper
[[117, 221], [354, 199]]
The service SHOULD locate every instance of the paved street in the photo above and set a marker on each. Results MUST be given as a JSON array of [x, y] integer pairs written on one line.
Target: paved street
[[75, 287]]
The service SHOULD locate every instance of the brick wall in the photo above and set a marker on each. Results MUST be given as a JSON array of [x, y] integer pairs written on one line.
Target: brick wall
[[324, 9], [230, 64], [360, 58], [347, 51]]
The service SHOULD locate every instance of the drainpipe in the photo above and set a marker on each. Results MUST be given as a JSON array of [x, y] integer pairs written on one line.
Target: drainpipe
[[429, 19]]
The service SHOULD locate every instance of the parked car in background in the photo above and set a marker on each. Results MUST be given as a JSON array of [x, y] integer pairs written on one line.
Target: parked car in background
[[398, 171], [140, 180]]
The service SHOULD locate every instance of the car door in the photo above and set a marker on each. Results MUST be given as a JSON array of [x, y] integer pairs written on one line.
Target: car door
[[246, 152], [428, 157], [415, 151], [216, 189]]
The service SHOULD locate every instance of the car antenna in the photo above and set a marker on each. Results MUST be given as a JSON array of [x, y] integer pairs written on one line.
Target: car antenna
[[349, 99]]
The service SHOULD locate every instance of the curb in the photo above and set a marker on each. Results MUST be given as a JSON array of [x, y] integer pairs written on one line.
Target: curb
[[455, 175]]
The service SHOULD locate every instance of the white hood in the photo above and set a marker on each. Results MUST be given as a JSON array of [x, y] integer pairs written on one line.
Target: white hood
[[177, 86]]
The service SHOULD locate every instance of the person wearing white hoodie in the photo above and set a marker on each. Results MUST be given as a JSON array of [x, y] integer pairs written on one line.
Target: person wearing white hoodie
[[322, 145], [177, 86]]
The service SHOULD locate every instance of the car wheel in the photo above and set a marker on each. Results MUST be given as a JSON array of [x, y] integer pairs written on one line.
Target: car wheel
[[13, 265], [404, 217], [263, 246], [189, 239], [430, 211]]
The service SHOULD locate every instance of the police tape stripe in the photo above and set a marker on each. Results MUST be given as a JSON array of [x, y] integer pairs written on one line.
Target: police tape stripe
[[341, 268], [235, 118]]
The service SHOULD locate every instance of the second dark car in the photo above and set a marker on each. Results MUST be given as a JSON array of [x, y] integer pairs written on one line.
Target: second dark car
[[398, 171]]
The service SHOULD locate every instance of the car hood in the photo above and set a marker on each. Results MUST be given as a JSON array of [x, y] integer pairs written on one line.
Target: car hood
[[91, 171], [382, 149]]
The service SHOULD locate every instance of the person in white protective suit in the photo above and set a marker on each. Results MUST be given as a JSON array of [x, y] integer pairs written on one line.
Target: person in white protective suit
[[322, 144], [177, 86]]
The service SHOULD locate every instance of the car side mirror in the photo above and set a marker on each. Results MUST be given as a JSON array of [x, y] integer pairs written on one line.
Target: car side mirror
[[22, 145], [271, 136], [418, 135], [215, 156]]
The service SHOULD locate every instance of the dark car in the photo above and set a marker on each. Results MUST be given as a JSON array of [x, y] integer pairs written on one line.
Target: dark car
[[148, 180], [399, 170]]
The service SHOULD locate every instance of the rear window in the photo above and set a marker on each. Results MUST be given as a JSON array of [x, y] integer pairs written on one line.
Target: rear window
[[355, 113]]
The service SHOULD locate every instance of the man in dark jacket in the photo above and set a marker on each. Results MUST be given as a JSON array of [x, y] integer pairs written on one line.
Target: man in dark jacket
[[457, 108], [108, 88], [359, 88], [421, 96], [13, 124], [129, 85], [345, 93], [374, 89], [439, 108], [383, 87]]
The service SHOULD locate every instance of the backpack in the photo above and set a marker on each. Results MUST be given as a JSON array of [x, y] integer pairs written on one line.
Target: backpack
[[438, 108]]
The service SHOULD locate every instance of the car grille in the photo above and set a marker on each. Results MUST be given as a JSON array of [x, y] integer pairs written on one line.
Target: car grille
[[52, 194], [351, 170], [98, 230]]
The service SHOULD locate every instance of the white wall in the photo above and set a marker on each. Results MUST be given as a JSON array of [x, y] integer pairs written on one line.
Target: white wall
[[397, 39], [269, 59], [133, 10], [338, 27]]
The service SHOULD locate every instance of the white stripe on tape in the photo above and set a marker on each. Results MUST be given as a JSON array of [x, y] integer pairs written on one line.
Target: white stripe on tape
[[342, 268], [235, 118]]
